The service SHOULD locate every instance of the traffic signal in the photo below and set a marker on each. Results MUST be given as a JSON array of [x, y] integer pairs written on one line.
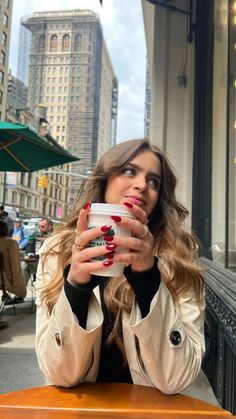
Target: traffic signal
[[43, 181], [40, 182]]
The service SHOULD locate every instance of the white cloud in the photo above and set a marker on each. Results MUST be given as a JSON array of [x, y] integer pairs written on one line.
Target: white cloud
[[123, 31]]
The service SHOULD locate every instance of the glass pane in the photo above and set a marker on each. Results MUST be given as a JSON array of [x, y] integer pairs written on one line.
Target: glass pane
[[220, 74], [231, 236]]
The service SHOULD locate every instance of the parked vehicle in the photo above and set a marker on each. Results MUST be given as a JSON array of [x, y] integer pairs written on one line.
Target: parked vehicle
[[32, 225]]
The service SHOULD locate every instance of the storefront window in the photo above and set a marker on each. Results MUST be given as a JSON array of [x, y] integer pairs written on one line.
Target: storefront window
[[231, 149], [224, 136], [219, 130]]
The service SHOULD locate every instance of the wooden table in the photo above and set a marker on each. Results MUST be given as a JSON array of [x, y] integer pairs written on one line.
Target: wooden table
[[103, 400]]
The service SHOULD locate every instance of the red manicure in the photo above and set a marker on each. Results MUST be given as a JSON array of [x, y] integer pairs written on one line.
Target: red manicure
[[108, 238], [109, 255], [128, 204], [87, 205], [105, 229], [116, 218], [107, 263], [111, 247]]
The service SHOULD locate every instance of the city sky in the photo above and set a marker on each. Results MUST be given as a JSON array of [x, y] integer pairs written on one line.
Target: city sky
[[123, 29]]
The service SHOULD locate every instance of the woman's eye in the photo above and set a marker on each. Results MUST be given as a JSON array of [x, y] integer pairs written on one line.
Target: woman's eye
[[128, 171], [155, 183]]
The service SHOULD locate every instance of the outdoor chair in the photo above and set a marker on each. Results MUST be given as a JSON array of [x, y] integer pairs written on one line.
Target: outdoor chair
[[3, 288]]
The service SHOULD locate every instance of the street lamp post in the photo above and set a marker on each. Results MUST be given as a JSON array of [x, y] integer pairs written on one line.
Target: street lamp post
[[4, 188]]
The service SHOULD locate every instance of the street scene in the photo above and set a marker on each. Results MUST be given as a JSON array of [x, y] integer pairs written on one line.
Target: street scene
[[117, 208]]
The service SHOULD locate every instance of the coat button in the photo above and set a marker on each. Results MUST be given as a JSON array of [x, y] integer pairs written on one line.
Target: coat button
[[175, 337], [58, 339]]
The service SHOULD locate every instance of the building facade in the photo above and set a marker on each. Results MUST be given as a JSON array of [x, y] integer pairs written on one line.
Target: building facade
[[16, 94], [5, 31], [184, 85], [147, 106], [191, 47], [71, 73]]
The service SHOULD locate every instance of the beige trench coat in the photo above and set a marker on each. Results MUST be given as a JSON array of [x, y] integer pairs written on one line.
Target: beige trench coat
[[68, 354]]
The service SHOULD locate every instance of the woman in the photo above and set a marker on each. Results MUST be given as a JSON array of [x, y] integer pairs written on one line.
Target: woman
[[146, 327]]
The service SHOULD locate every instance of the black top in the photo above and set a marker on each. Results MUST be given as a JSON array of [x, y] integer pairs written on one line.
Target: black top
[[145, 285]]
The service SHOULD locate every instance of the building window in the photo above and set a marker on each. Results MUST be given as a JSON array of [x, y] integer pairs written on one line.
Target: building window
[[29, 182], [28, 201], [22, 200], [14, 197], [5, 20], [53, 43], [35, 203], [6, 3], [1, 77], [77, 44], [22, 178], [41, 46], [4, 39], [2, 58], [1, 96], [66, 43]]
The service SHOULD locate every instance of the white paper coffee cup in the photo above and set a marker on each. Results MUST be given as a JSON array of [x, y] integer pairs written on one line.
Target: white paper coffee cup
[[99, 215]]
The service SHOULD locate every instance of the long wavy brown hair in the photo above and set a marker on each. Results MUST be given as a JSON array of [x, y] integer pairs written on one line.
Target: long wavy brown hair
[[174, 245]]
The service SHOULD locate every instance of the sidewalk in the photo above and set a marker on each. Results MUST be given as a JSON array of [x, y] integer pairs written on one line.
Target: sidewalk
[[18, 362]]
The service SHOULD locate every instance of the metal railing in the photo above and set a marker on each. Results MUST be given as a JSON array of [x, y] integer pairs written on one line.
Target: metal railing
[[221, 321]]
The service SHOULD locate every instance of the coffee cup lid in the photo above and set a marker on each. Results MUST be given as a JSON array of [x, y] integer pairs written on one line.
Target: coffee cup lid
[[110, 209]]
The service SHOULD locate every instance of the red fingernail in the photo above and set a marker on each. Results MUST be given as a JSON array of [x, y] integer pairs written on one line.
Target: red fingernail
[[111, 247], [108, 238], [87, 205], [107, 263], [109, 255], [116, 218], [128, 204], [105, 229]]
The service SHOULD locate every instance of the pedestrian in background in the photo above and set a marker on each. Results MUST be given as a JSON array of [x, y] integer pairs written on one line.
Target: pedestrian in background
[[145, 327], [45, 229], [7, 219], [20, 234], [13, 281]]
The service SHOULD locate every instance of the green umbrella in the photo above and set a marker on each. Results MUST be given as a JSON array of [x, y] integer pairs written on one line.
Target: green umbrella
[[23, 150]]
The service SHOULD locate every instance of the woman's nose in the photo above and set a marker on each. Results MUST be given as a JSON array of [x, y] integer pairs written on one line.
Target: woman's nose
[[141, 183]]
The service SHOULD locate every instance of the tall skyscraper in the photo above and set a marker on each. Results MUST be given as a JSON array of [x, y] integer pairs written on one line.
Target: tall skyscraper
[[17, 93], [71, 73], [147, 106], [23, 53], [5, 30]]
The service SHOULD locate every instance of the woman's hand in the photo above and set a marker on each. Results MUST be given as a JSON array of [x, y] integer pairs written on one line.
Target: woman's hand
[[140, 244], [81, 264]]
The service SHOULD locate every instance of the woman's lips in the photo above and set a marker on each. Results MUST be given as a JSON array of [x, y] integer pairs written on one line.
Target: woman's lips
[[135, 200]]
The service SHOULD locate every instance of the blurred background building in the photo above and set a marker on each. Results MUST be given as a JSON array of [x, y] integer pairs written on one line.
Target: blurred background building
[[5, 31], [65, 89], [70, 72]]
